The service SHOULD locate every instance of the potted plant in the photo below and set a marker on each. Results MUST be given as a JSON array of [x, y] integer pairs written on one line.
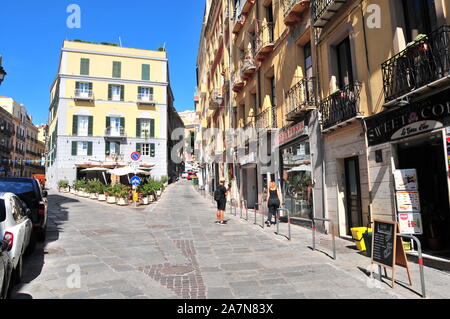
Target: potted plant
[[123, 195], [92, 188], [146, 191], [110, 194], [101, 192], [63, 186]]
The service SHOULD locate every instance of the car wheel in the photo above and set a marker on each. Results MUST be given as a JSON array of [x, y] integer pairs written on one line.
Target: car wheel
[[42, 234], [32, 243], [17, 272]]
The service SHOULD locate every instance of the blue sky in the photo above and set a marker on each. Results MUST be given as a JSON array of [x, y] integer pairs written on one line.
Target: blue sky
[[32, 32]]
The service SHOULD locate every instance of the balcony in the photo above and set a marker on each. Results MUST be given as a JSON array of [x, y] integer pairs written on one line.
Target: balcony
[[238, 24], [422, 66], [145, 99], [248, 68], [324, 10], [264, 41], [300, 99], [263, 120], [215, 99], [237, 83], [112, 133], [341, 107], [293, 10], [84, 95]]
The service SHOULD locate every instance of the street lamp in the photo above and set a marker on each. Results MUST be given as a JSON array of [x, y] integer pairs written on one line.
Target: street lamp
[[2, 71]]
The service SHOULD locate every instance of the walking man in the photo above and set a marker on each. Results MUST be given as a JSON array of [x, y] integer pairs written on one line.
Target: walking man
[[220, 196]]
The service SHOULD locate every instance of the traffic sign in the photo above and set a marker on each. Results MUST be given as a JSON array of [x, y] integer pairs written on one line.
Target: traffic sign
[[135, 156], [135, 181]]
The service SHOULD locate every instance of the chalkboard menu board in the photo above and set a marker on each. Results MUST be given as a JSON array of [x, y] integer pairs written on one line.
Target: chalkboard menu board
[[384, 237]]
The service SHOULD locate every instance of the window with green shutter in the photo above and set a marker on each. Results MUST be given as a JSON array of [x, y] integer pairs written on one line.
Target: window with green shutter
[[117, 69], [152, 150], [108, 148], [89, 151], [84, 67], [75, 125], [152, 128], [74, 148], [138, 147], [146, 72], [90, 125], [138, 128]]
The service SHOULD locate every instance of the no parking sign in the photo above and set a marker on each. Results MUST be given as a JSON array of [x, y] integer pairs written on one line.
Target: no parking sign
[[135, 156]]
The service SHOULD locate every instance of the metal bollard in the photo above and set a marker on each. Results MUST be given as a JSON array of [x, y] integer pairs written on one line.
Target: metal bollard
[[257, 211], [288, 220], [243, 206]]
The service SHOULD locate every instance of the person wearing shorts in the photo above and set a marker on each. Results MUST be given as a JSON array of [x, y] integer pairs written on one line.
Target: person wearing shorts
[[221, 203]]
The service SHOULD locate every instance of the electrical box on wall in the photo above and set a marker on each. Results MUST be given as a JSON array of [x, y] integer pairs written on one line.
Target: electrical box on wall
[[379, 156]]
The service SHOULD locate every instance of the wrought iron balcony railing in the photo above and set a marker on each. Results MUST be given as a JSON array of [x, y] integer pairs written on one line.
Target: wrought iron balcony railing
[[83, 94], [237, 82], [300, 98], [323, 10], [341, 106], [145, 98], [248, 67], [115, 132], [421, 63], [264, 40], [263, 119]]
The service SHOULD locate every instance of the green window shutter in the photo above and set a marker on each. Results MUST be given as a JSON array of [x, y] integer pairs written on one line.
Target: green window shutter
[[89, 152], [138, 128], [146, 72], [152, 127], [74, 148], [122, 122], [108, 122], [75, 125], [122, 92], [90, 87], [117, 66], [84, 67], [107, 148], [77, 85], [138, 147], [109, 92], [91, 126], [152, 150], [117, 146]]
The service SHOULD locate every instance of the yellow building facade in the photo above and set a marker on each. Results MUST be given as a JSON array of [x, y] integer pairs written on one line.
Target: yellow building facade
[[107, 102]]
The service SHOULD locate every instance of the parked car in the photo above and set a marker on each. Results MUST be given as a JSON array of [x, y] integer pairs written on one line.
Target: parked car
[[16, 230], [184, 175], [6, 266], [191, 175], [29, 190]]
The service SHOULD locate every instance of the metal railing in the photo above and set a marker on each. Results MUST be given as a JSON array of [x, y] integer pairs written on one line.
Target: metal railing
[[259, 209], [262, 119], [421, 63], [248, 67], [300, 96], [288, 236], [244, 207], [149, 98], [319, 7], [113, 132], [83, 94], [264, 36], [341, 105], [233, 208]]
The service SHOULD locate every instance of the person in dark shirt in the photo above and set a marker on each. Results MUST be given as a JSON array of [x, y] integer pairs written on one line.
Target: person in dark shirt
[[221, 202]]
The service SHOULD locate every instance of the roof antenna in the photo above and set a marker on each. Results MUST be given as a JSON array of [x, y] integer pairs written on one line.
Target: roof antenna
[[120, 41]]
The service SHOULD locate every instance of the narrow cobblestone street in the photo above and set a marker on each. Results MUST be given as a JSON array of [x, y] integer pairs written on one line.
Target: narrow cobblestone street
[[173, 249]]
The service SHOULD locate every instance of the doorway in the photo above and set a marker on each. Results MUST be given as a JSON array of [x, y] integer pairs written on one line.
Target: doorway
[[353, 194], [427, 156]]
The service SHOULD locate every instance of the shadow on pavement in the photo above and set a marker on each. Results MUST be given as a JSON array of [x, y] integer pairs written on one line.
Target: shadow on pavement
[[33, 264]]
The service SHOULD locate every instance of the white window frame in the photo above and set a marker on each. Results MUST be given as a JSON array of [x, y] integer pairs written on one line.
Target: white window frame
[[145, 149], [82, 148], [116, 92], [83, 130]]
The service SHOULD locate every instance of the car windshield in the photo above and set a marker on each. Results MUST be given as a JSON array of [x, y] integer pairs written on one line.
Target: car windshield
[[2, 211]]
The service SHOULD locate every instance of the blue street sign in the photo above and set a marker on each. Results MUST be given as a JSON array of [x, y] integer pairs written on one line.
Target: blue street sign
[[135, 181]]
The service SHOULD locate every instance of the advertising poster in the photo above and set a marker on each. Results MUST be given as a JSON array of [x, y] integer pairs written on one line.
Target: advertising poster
[[410, 223], [408, 202], [406, 180]]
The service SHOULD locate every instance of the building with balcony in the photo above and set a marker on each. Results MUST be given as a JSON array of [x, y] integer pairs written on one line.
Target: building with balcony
[[25, 157], [107, 102]]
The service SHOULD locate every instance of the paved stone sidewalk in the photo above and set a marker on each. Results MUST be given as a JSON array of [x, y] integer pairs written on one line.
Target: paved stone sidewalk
[[173, 249]]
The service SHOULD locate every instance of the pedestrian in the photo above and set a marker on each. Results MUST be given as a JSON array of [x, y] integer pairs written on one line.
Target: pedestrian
[[273, 202], [220, 196]]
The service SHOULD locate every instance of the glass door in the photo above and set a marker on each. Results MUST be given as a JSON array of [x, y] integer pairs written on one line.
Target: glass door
[[115, 126], [353, 194]]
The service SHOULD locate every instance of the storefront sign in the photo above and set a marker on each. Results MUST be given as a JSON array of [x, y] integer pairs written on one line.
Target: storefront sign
[[291, 133], [408, 202], [416, 128], [417, 118], [406, 180], [410, 223]]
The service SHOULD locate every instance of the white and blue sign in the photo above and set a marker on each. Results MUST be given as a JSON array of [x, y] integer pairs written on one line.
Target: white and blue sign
[[135, 181]]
